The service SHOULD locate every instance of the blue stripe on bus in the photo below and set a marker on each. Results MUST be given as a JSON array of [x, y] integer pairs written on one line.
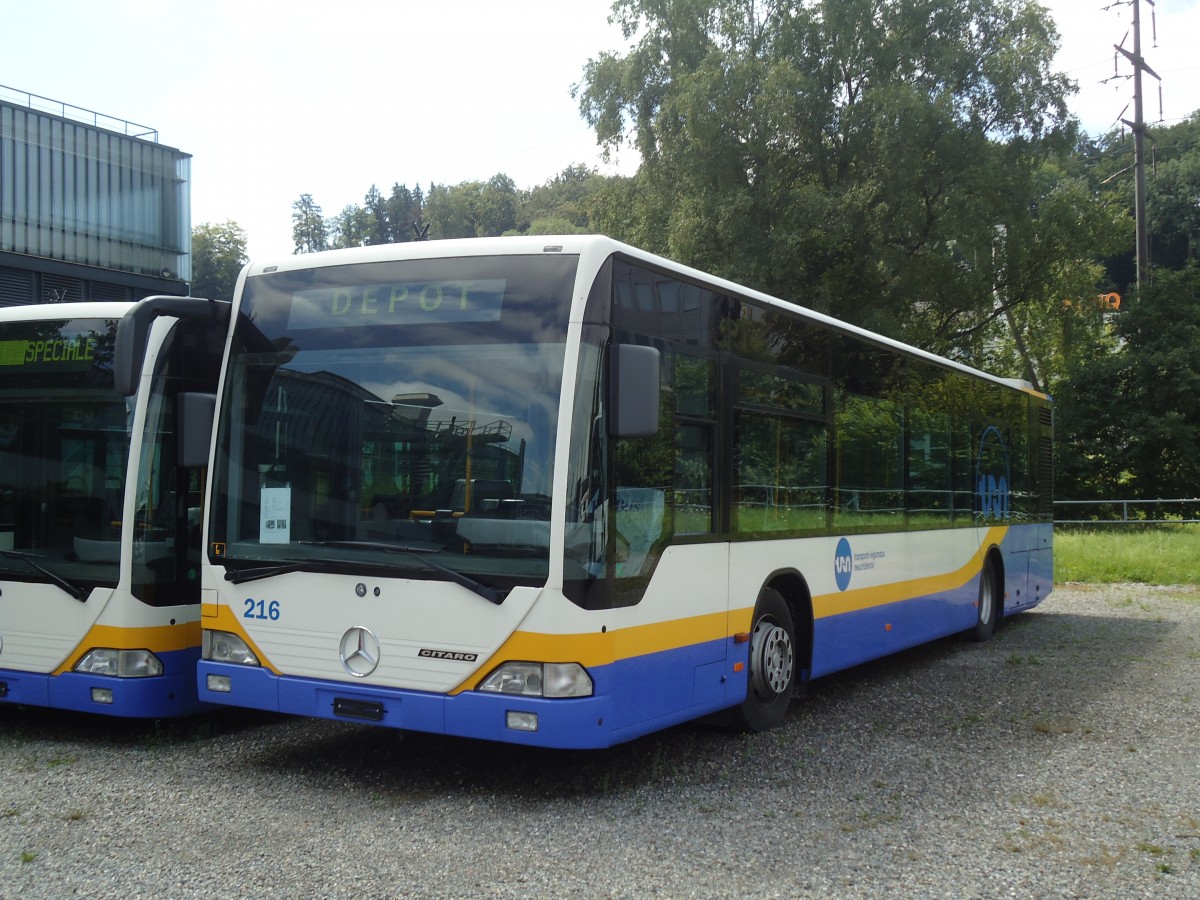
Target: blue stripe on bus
[[849, 639], [171, 694]]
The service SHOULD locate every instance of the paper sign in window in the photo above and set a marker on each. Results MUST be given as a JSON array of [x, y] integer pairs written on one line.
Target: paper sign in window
[[275, 515]]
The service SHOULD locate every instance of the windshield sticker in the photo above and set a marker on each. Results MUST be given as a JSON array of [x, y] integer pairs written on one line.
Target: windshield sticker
[[275, 512]]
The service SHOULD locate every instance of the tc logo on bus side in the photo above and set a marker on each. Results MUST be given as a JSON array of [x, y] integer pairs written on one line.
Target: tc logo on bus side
[[843, 564], [993, 476]]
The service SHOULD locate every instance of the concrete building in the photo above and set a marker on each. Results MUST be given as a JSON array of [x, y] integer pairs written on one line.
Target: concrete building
[[91, 207]]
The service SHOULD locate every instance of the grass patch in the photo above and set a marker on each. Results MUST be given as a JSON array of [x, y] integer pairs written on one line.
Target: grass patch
[[1017, 659], [1147, 555], [1046, 799]]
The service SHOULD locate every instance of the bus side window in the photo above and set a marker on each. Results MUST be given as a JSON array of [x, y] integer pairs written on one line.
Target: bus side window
[[695, 392], [930, 495], [869, 488], [779, 474], [643, 479], [693, 482]]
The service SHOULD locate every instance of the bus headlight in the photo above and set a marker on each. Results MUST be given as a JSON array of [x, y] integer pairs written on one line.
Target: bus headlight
[[120, 663], [530, 679], [222, 646]]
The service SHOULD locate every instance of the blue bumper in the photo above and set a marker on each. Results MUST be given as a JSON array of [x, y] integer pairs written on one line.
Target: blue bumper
[[632, 698], [163, 696]]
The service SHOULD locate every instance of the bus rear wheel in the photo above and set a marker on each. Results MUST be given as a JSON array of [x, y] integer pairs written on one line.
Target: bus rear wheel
[[988, 608], [772, 665]]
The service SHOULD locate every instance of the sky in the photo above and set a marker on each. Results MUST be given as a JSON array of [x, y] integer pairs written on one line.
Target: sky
[[1089, 29], [276, 99]]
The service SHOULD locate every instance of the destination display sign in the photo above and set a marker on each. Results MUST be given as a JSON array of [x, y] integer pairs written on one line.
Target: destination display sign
[[404, 303], [47, 352]]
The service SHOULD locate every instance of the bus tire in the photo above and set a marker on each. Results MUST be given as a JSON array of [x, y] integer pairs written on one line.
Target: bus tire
[[772, 665], [987, 609]]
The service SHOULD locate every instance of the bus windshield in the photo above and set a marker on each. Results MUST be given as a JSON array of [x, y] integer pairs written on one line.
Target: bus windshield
[[64, 446], [396, 417]]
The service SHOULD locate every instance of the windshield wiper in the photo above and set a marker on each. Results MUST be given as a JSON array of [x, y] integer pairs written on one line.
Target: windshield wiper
[[239, 576], [486, 591], [79, 593]]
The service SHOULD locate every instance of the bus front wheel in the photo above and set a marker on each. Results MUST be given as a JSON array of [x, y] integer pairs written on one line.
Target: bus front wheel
[[772, 665]]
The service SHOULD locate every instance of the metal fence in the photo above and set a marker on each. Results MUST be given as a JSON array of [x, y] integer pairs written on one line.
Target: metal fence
[[77, 113], [1126, 512]]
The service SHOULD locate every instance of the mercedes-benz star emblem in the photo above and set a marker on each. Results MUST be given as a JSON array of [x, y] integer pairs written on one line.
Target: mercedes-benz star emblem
[[359, 651]]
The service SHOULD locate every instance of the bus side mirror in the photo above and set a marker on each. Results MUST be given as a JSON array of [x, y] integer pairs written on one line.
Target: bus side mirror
[[633, 391], [194, 418], [129, 352]]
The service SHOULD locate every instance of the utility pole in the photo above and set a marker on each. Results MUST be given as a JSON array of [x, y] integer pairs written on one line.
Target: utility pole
[[1138, 127]]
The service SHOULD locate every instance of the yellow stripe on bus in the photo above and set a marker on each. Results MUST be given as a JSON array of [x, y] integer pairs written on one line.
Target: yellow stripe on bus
[[600, 649], [624, 643], [157, 639]]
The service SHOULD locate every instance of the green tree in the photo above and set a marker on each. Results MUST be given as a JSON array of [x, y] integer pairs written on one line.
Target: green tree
[[309, 232], [472, 208], [1129, 418], [403, 212], [496, 207], [1173, 184], [1174, 195], [354, 226], [857, 156], [218, 254], [1046, 271], [561, 205], [379, 226], [450, 210]]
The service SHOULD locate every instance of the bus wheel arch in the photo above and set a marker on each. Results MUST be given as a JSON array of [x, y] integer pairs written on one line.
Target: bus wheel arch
[[989, 605]]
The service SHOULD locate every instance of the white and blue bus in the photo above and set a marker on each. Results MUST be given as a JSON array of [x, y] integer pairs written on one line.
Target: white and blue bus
[[559, 491], [99, 521]]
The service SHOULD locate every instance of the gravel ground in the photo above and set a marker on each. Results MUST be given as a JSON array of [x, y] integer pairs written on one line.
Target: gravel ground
[[1062, 759]]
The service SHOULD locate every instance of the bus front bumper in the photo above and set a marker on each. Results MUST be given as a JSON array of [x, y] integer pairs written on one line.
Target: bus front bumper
[[578, 723], [159, 697]]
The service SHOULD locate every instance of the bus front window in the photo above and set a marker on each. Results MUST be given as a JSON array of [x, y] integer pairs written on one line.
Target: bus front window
[[64, 445], [420, 445]]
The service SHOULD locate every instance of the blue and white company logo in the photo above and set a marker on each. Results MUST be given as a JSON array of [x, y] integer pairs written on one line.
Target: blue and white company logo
[[843, 564], [993, 476]]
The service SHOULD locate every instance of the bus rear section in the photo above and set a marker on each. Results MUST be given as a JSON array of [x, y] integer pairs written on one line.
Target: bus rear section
[[562, 492], [99, 525]]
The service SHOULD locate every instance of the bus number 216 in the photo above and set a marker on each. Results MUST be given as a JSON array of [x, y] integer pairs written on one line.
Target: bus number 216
[[261, 609]]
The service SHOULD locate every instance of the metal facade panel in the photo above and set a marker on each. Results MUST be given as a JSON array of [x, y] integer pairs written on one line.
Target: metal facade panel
[[76, 193]]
